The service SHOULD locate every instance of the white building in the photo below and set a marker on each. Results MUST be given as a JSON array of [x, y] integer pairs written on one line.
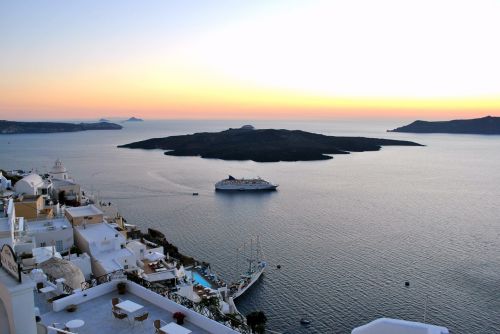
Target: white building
[[33, 184], [84, 215], [24, 235], [67, 189], [4, 183], [43, 233], [17, 305], [106, 246]]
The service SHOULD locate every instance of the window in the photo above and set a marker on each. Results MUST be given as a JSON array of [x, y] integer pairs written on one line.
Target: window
[[43, 244], [59, 245]]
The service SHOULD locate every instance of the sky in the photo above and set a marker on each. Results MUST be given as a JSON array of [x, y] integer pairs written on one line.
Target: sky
[[234, 59]]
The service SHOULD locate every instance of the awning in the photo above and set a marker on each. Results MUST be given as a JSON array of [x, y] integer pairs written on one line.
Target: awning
[[154, 256]]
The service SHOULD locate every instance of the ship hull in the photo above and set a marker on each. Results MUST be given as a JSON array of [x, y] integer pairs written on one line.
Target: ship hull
[[245, 187], [255, 278]]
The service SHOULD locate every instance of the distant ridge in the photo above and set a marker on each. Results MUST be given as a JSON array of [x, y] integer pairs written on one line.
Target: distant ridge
[[133, 119], [11, 127], [266, 145], [488, 125]]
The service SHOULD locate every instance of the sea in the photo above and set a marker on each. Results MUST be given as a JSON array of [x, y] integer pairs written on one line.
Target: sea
[[347, 232]]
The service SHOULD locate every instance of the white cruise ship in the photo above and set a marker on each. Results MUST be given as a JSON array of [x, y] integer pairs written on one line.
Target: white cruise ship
[[232, 183]]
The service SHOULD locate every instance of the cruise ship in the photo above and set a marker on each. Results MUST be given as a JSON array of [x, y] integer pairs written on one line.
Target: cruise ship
[[232, 183]]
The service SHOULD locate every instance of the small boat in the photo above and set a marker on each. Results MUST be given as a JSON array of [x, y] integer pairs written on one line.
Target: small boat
[[305, 321], [195, 194]]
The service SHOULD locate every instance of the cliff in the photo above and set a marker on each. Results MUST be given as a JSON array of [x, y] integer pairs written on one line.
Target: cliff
[[481, 126], [10, 127]]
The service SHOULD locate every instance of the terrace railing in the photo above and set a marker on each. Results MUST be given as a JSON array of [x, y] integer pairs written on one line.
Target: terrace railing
[[95, 281], [66, 288]]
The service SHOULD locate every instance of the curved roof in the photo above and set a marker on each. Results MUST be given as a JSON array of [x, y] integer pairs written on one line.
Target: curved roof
[[60, 268], [32, 179]]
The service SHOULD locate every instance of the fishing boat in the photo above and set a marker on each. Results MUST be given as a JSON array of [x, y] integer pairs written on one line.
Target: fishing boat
[[256, 267]]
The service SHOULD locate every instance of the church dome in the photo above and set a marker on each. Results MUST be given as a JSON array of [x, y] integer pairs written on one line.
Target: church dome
[[58, 167], [60, 268], [58, 171]]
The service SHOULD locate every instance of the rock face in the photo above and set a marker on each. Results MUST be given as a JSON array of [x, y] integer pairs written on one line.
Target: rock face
[[267, 145], [481, 126], [9, 127]]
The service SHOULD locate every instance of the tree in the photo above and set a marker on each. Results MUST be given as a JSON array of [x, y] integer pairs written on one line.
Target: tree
[[257, 321]]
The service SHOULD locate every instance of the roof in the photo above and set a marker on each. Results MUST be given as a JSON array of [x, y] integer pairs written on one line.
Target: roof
[[60, 183], [397, 326], [48, 225], [97, 232], [82, 211], [32, 179], [160, 276], [108, 259]]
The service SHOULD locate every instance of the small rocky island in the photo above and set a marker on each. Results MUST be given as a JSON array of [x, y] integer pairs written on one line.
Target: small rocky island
[[11, 127], [265, 145], [480, 126], [134, 119]]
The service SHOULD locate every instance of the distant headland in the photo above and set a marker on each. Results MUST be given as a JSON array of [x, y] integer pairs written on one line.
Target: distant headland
[[133, 119], [266, 145], [11, 127], [104, 120], [480, 126]]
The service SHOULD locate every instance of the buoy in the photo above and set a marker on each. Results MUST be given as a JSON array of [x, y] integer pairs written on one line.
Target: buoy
[[278, 266], [407, 283]]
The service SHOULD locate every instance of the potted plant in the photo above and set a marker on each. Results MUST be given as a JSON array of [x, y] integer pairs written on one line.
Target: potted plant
[[179, 316], [122, 288], [71, 308]]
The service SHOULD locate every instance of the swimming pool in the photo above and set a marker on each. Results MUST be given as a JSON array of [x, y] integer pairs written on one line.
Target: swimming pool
[[201, 280]]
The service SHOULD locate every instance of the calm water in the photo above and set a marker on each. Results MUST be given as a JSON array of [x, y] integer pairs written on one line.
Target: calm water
[[347, 232]]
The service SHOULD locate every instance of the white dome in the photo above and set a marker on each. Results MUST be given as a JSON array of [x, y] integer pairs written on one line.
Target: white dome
[[60, 268], [59, 172], [58, 167]]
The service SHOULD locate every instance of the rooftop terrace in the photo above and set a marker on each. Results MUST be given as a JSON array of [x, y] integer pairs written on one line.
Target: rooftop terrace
[[94, 308]]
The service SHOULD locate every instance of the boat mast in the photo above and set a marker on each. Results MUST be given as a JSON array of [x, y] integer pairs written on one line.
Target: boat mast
[[250, 260]]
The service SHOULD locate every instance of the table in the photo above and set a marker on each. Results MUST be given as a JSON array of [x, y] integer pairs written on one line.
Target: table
[[74, 324], [129, 306], [173, 328]]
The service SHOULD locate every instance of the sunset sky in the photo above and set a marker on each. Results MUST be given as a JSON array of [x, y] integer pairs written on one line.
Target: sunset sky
[[203, 59]]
